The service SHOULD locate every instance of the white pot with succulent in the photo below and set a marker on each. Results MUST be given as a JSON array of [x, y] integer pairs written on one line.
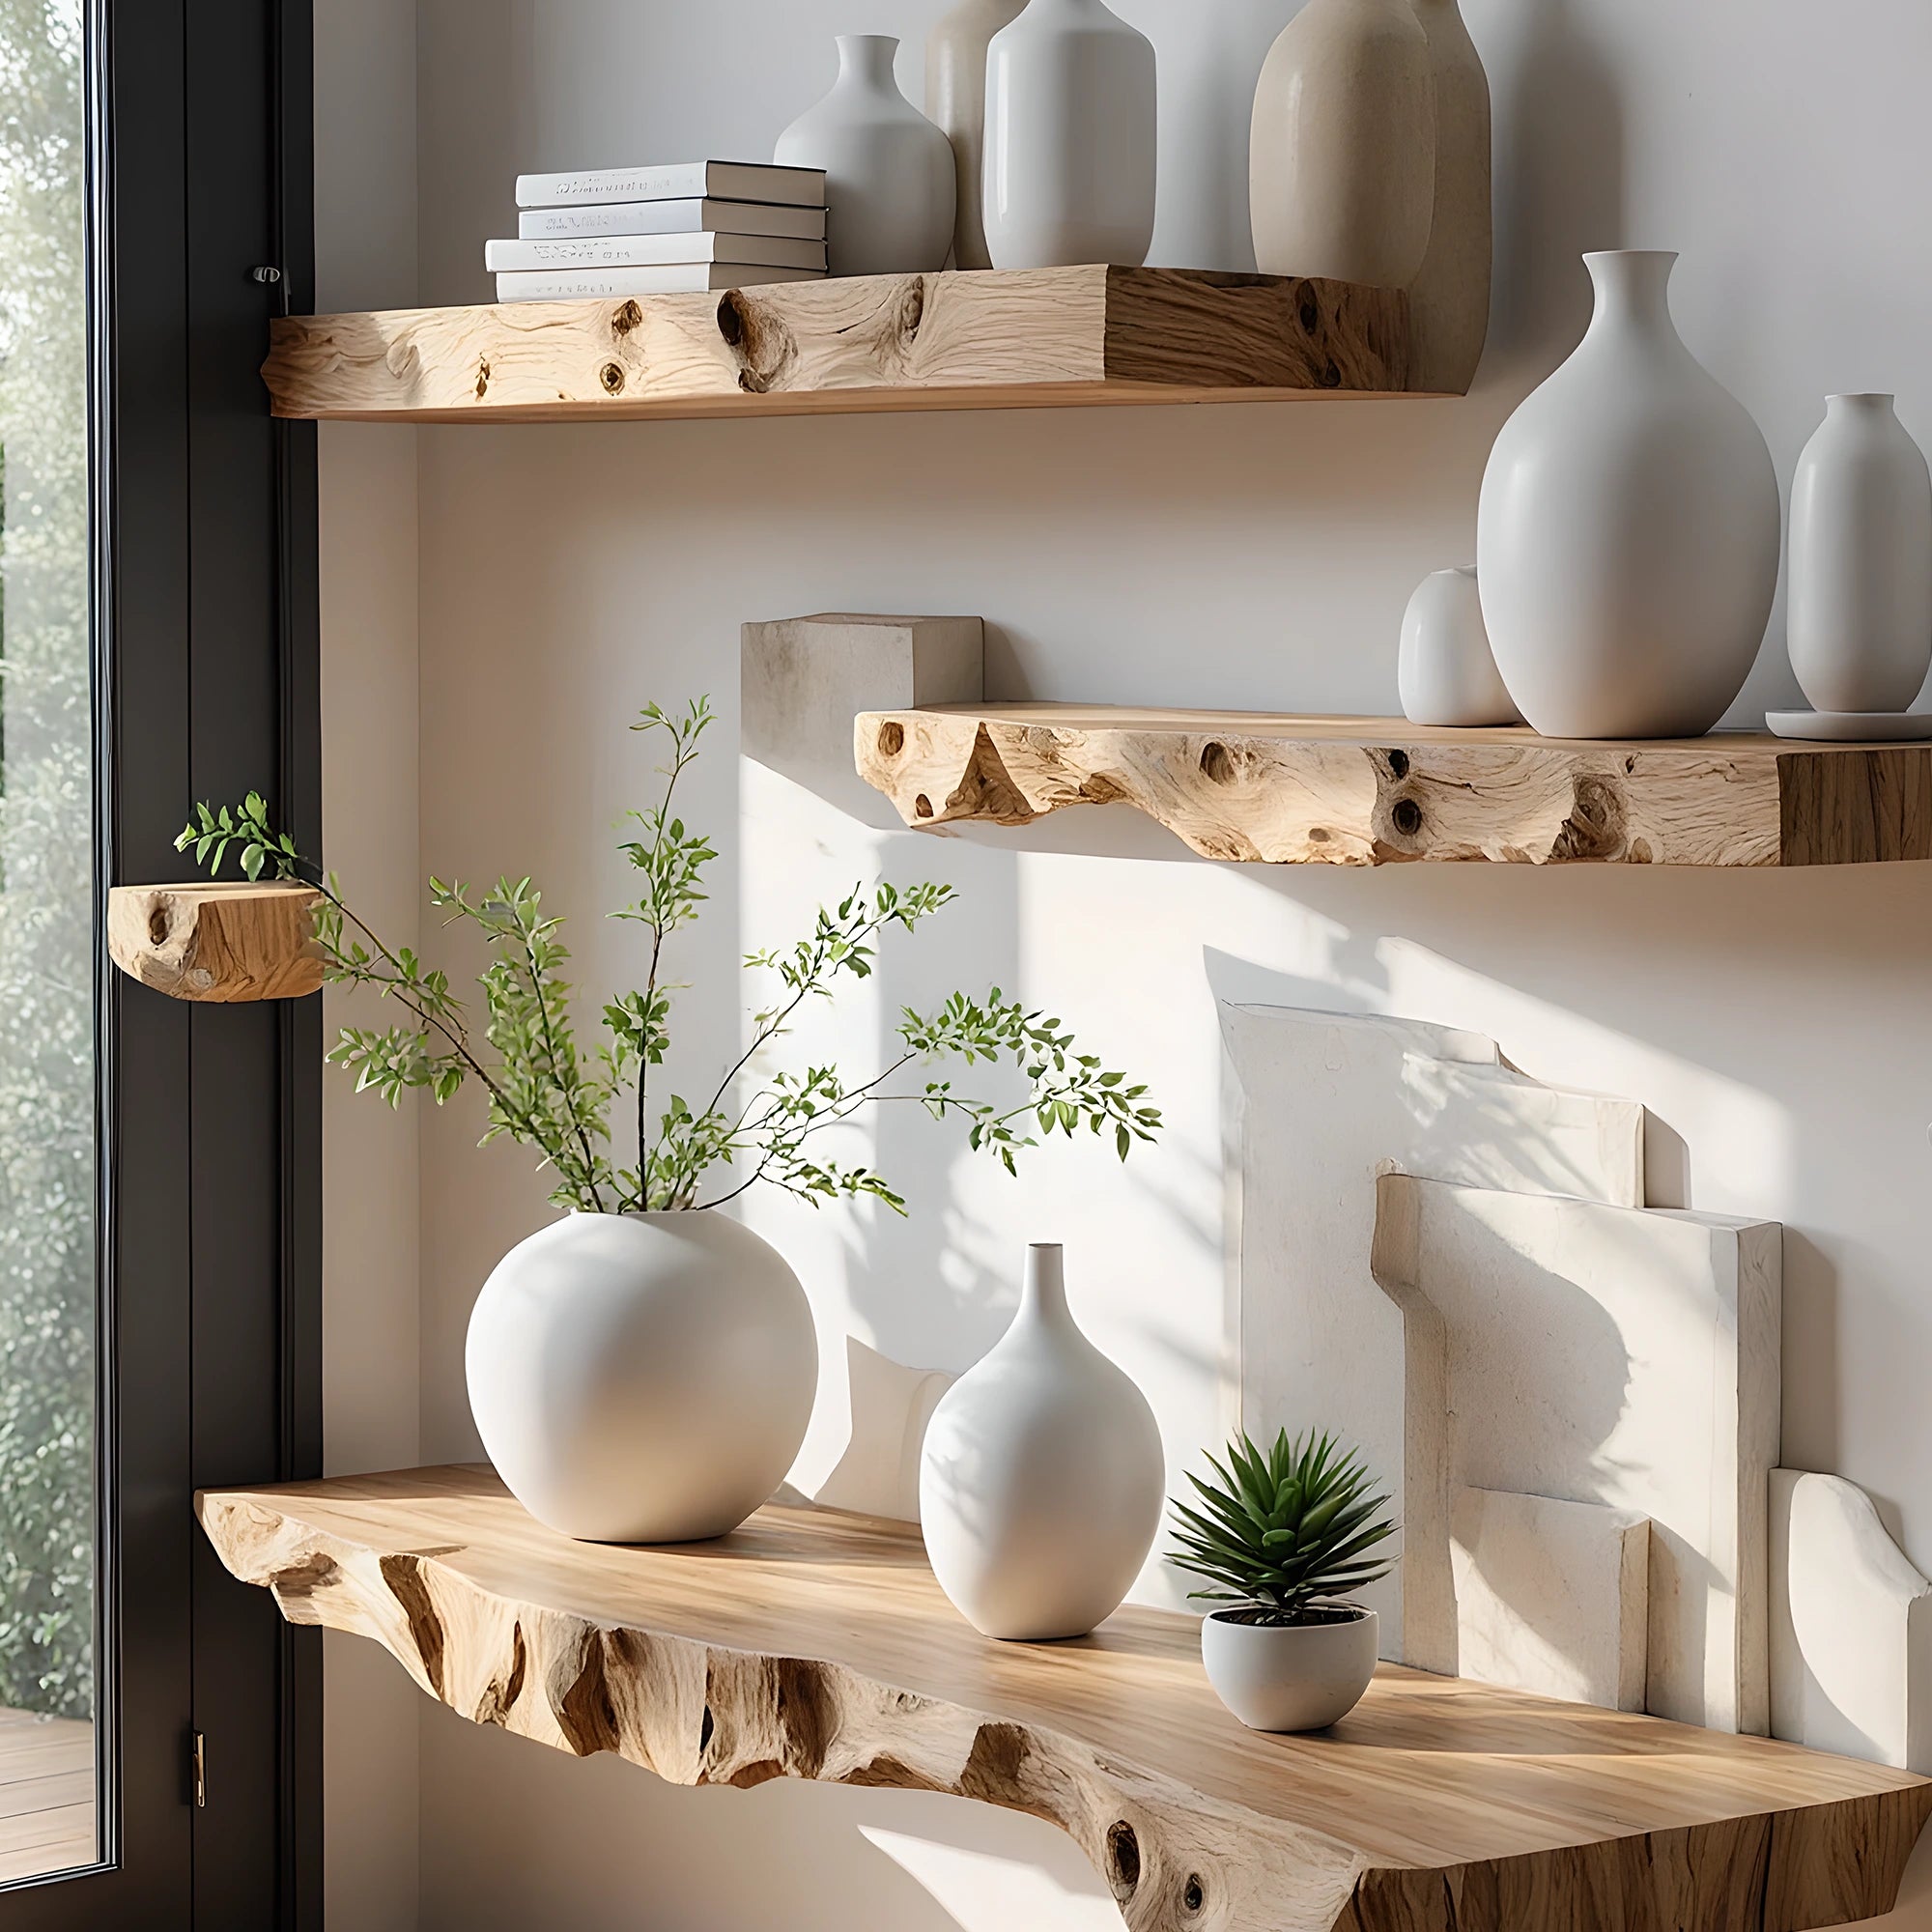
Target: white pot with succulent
[[1284, 1536], [644, 1369]]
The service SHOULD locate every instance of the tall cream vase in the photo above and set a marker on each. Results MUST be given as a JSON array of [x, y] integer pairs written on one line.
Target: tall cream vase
[[956, 101], [1341, 173], [1449, 299]]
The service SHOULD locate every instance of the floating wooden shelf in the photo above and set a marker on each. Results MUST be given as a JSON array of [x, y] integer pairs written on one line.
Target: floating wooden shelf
[[1377, 791], [818, 1645], [1031, 339], [219, 944]]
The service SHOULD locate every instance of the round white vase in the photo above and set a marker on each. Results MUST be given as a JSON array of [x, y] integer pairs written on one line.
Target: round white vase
[[1071, 124], [1859, 608], [1629, 531], [890, 191], [642, 1377], [1294, 1677], [1342, 153], [1447, 673], [955, 102], [1041, 1478]]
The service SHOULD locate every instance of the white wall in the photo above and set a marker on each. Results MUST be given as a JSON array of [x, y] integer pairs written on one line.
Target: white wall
[[365, 258], [1245, 557]]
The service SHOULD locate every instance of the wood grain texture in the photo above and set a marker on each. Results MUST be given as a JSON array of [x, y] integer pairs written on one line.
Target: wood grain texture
[[1377, 791], [224, 944], [812, 1644], [1034, 338]]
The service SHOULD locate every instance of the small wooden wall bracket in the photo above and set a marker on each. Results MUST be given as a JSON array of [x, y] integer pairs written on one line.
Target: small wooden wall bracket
[[223, 945]]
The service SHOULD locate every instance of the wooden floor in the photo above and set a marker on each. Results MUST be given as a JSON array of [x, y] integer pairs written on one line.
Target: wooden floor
[[47, 1795]]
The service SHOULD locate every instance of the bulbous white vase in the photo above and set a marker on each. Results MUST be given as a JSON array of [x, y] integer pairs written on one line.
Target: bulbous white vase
[[1041, 1480], [955, 102], [1342, 155], [1072, 126], [1627, 537], [642, 1377], [890, 191], [1447, 673], [1859, 608]]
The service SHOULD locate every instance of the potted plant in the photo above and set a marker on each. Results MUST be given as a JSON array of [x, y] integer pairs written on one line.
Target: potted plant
[[644, 1369], [1283, 1537]]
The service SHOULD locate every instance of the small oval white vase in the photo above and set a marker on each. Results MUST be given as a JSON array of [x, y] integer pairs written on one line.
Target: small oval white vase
[[891, 190], [1627, 537], [1447, 673], [1071, 128], [955, 102], [1860, 606], [642, 1377], [1041, 1478], [1342, 152]]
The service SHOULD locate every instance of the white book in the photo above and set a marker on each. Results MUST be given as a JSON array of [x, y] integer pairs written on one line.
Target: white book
[[677, 278], [653, 251], [672, 217], [680, 181]]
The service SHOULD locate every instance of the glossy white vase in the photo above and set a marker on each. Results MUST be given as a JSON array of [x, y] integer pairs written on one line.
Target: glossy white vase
[[891, 192], [1627, 536], [1071, 122], [1342, 153], [955, 102], [1446, 672], [1860, 606], [1041, 1478], [642, 1377]]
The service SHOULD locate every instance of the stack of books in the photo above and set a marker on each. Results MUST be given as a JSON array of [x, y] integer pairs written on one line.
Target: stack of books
[[662, 230]]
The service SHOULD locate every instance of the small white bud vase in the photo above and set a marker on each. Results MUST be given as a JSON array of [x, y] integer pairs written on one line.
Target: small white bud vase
[[1629, 531], [1447, 673], [642, 1377], [891, 189], [955, 102], [1859, 608], [1071, 124], [1342, 155], [1042, 1477]]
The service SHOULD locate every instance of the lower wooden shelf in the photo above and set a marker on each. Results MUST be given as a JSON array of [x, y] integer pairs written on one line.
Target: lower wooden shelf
[[1378, 791], [818, 1645]]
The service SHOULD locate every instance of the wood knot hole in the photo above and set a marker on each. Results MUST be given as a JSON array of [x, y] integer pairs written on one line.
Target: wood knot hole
[[159, 923], [1123, 1855], [923, 806], [1399, 764], [1311, 315], [1217, 764], [626, 319], [1330, 376], [1196, 1894], [1408, 817], [482, 378], [731, 319], [612, 375], [705, 1730], [891, 739]]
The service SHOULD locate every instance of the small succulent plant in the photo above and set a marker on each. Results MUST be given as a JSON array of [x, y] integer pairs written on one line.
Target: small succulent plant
[[1286, 1532]]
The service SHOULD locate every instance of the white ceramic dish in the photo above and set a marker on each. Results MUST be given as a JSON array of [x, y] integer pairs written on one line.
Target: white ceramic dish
[[1851, 728]]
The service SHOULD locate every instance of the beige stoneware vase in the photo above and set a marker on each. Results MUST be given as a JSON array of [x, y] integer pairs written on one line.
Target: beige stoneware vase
[[956, 101], [1449, 299]]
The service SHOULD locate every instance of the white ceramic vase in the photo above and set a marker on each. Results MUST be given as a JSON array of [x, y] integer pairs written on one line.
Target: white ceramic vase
[[1449, 298], [955, 102], [1859, 608], [891, 190], [1342, 157], [1041, 1478], [1627, 536], [642, 1377], [1447, 673], [1071, 121], [1298, 1677]]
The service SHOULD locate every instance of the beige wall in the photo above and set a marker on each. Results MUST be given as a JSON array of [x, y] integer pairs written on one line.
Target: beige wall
[[1775, 1026]]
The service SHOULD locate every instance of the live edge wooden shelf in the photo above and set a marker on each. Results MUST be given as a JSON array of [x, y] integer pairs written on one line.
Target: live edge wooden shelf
[[1026, 339], [1376, 791], [816, 1646]]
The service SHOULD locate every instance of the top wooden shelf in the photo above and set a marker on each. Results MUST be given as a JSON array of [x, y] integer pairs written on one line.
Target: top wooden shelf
[[1280, 789], [1029, 339], [818, 1645]]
